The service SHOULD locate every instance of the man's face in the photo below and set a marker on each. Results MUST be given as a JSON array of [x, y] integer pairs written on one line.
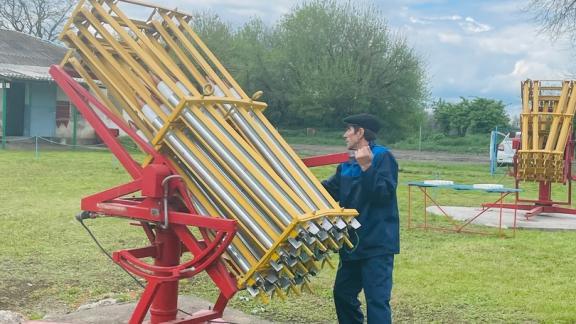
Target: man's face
[[353, 137]]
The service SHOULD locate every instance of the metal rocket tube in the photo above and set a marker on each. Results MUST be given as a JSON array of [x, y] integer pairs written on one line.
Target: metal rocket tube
[[271, 156], [240, 170], [249, 157], [290, 160], [240, 234], [234, 253], [200, 169]]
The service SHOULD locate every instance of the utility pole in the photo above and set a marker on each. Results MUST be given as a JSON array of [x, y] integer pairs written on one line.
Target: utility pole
[[420, 139], [4, 85]]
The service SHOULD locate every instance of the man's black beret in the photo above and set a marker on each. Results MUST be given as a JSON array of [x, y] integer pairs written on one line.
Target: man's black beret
[[365, 121]]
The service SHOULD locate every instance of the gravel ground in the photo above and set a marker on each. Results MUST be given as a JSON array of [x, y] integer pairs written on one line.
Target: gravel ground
[[310, 150]]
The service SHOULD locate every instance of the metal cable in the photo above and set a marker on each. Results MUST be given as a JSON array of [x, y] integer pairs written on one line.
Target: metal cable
[[110, 257]]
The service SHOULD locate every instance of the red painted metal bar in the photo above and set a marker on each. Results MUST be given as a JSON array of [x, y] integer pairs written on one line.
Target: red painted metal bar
[[470, 220], [534, 212], [428, 197], [121, 190], [328, 159], [210, 251], [145, 252], [60, 76], [144, 303], [226, 283], [220, 304], [142, 212], [80, 101], [545, 203]]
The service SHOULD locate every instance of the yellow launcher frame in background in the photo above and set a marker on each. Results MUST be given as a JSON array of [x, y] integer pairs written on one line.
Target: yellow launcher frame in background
[[164, 79], [547, 113]]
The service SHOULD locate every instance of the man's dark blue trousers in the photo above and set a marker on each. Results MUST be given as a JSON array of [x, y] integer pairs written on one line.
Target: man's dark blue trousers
[[374, 275]]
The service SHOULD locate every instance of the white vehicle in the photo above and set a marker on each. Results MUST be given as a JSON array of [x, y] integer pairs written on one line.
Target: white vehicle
[[506, 148]]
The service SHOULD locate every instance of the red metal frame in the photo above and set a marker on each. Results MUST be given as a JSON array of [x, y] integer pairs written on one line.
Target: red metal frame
[[457, 226], [167, 244]]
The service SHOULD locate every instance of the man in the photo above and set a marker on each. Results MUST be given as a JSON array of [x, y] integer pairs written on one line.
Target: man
[[366, 183]]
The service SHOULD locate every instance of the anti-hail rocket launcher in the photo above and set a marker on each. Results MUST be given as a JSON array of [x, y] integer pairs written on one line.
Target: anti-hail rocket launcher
[[197, 120]]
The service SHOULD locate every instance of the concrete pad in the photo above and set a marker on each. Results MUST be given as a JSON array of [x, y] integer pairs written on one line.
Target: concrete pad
[[120, 313], [544, 221]]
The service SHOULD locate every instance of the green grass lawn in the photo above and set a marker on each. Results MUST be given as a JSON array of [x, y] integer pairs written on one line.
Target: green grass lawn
[[48, 263]]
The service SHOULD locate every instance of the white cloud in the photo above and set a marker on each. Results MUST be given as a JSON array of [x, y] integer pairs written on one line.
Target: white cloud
[[515, 39], [449, 38], [240, 11], [490, 64], [415, 20], [524, 69], [507, 85], [468, 24], [471, 25], [428, 20], [486, 49], [440, 18], [526, 45]]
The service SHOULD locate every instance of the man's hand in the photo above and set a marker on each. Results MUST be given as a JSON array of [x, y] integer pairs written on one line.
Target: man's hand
[[364, 157]]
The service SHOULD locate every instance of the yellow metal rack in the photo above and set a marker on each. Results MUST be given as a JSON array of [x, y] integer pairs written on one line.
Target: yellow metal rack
[[163, 80], [547, 114]]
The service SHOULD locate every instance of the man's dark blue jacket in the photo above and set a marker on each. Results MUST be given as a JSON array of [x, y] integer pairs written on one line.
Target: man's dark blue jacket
[[373, 194]]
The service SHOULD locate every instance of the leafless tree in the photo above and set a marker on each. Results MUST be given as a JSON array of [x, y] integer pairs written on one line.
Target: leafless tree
[[558, 17], [40, 18]]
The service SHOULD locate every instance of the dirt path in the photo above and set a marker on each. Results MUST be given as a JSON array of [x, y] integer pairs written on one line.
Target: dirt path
[[310, 150]]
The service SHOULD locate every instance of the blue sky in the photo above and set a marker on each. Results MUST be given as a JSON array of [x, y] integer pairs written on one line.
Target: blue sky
[[470, 48]]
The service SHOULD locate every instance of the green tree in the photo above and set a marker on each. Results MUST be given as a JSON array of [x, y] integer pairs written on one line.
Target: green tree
[[324, 60], [216, 34], [253, 65], [485, 114], [477, 116], [333, 59], [251, 47], [442, 112]]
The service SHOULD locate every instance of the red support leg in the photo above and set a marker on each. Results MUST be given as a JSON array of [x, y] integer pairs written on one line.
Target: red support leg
[[144, 303], [545, 191], [165, 305]]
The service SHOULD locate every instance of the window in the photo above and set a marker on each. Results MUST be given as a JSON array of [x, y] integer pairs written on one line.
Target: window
[[62, 113]]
